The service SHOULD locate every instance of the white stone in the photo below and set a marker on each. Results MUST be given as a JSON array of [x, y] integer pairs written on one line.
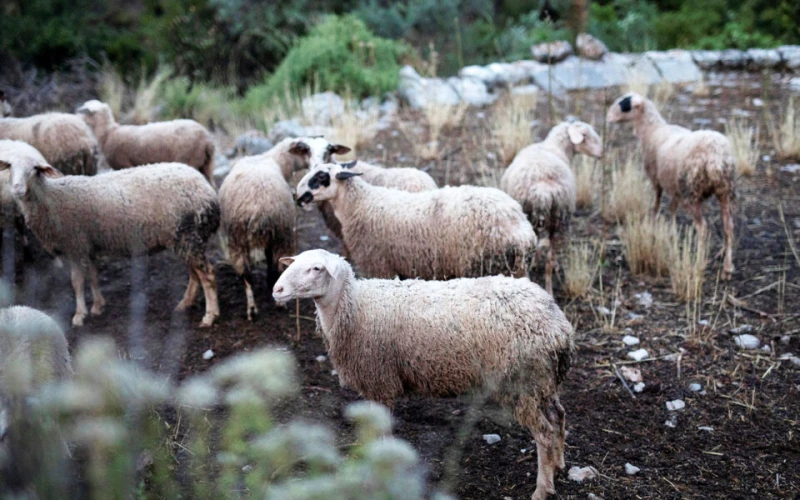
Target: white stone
[[695, 387], [319, 109], [706, 428], [672, 421], [792, 168], [630, 340], [639, 387], [742, 329], [551, 52], [321, 358], [324, 237], [639, 354], [208, 354], [631, 374], [790, 54], [706, 59], [794, 84], [472, 91], [581, 474], [603, 310], [758, 102], [644, 299], [676, 405], [676, 66], [631, 470], [481, 73], [590, 47], [747, 341], [491, 438], [508, 74], [763, 58]]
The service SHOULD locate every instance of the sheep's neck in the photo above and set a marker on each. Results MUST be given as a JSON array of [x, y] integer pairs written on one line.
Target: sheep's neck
[[349, 195], [335, 308], [286, 161], [558, 141], [650, 120], [103, 132]]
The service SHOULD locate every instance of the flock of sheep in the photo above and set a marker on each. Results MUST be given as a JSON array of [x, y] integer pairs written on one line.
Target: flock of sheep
[[458, 326]]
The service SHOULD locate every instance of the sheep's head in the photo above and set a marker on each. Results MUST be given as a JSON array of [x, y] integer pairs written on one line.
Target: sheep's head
[[309, 275], [321, 184], [25, 172], [626, 108], [95, 113], [585, 139], [5, 106], [314, 151]]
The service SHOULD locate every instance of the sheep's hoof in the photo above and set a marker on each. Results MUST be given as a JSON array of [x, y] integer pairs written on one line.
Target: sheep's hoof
[[182, 306], [208, 320], [98, 309], [252, 312], [541, 493], [77, 320]]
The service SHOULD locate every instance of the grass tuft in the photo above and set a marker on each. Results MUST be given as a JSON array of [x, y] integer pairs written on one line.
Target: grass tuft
[[630, 195], [688, 258], [647, 241], [744, 142], [580, 269], [511, 124]]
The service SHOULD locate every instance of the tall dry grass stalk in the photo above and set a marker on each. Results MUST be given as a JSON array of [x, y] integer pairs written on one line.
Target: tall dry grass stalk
[[354, 127], [438, 117], [786, 134], [630, 195], [659, 93], [585, 181], [581, 268], [511, 124], [147, 94], [647, 242], [744, 139], [688, 258], [112, 89]]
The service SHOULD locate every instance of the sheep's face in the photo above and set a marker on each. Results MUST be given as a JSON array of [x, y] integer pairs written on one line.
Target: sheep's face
[[95, 113], [311, 274], [626, 108], [585, 139], [321, 184], [25, 172], [314, 151]]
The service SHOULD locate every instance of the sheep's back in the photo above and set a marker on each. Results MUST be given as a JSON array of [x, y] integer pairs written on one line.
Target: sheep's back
[[182, 141], [696, 164], [403, 178]]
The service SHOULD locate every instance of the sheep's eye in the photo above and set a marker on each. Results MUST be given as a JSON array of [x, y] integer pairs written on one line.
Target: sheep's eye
[[317, 268]]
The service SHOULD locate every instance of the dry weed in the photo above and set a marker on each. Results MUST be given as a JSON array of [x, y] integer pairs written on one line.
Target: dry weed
[[688, 257], [585, 181], [630, 196], [511, 124], [701, 88], [354, 127], [786, 135], [147, 94], [659, 93], [580, 269], [112, 89], [647, 242], [745, 148]]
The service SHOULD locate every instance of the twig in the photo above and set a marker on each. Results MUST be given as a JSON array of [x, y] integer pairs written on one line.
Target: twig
[[308, 318], [619, 376], [760, 290], [316, 388], [738, 303]]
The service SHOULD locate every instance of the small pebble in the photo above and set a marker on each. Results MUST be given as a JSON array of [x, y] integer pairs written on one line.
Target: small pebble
[[644, 299], [631, 374], [747, 341], [630, 340], [631, 470], [792, 169], [491, 438], [786, 339], [634, 316], [706, 428], [757, 102], [639, 354], [334, 372], [703, 322], [208, 354], [766, 348], [639, 387], [741, 329], [671, 422], [766, 158], [603, 310], [581, 474], [321, 358], [676, 405], [324, 237], [247, 468], [695, 387], [592, 496]]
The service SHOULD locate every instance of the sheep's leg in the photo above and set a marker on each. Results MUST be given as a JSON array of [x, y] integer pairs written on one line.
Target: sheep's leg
[[191, 291], [98, 301], [78, 282], [208, 281], [673, 207], [696, 209], [727, 225], [548, 448], [242, 266], [556, 415], [548, 269], [657, 202]]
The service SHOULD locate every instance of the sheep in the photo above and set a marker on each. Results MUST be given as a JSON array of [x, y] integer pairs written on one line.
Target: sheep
[[541, 180], [129, 212], [63, 139], [503, 336], [8, 151], [126, 146], [258, 213], [447, 233], [689, 165]]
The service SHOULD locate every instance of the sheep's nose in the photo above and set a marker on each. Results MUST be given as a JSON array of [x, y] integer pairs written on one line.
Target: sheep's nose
[[277, 289], [18, 190]]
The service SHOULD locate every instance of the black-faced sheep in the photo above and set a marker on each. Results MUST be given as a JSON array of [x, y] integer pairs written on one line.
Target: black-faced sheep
[[689, 165], [387, 338], [541, 180]]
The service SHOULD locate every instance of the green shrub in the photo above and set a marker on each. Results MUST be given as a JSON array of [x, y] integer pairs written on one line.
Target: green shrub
[[624, 25], [209, 105]]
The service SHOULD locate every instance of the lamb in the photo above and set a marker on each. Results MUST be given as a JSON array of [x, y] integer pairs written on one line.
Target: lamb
[[130, 212], [258, 213], [541, 180], [63, 139], [503, 336], [9, 150], [447, 233], [126, 146], [689, 165]]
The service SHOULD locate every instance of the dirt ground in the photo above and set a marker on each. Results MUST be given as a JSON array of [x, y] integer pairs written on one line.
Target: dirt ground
[[751, 399]]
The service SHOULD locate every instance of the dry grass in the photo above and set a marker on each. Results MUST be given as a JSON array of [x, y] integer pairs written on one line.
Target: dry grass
[[688, 258], [786, 135], [511, 124], [580, 268], [438, 117], [354, 128], [647, 243], [147, 94], [112, 89], [743, 138], [659, 93], [585, 181], [630, 195], [701, 89]]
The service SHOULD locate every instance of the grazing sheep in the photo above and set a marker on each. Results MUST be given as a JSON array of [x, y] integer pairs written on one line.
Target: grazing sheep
[[447, 233], [386, 338], [689, 165], [10, 150], [126, 146], [258, 214], [63, 139], [131, 212], [541, 180]]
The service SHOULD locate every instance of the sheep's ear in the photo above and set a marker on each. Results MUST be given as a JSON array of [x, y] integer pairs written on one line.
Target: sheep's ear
[[575, 133], [4, 165], [338, 149], [286, 261], [48, 171], [335, 267], [300, 148], [349, 164], [346, 175]]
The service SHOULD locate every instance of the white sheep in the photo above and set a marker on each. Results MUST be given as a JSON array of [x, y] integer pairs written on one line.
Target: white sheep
[[63, 139], [130, 212], [386, 338], [689, 165], [541, 180], [9, 151], [126, 146], [447, 233]]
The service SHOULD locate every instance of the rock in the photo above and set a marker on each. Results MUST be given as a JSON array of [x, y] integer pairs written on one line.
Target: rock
[[208, 354], [733, 59], [472, 91], [706, 59], [541, 75], [790, 55], [551, 52], [675, 66], [786, 339], [638, 387], [321, 358], [791, 168], [747, 341], [286, 128], [507, 74], [759, 103], [631, 470], [590, 47], [531, 90], [320, 108], [633, 317], [639, 354], [644, 299], [695, 387], [794, 84], [603, 310], [480, 73], [637, 67], [581, 474], [418, 91], [592, 496], [250, 143], [676, 405], [631, 374], [630, 340], [741, 329], [763, 58], [706, 428], [672, 421], [575, 74], [323, 237], [491, 438]]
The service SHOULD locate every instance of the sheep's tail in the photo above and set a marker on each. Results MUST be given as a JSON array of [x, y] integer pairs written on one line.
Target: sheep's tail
[[208, 166], [545, 207], [721, 169]]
